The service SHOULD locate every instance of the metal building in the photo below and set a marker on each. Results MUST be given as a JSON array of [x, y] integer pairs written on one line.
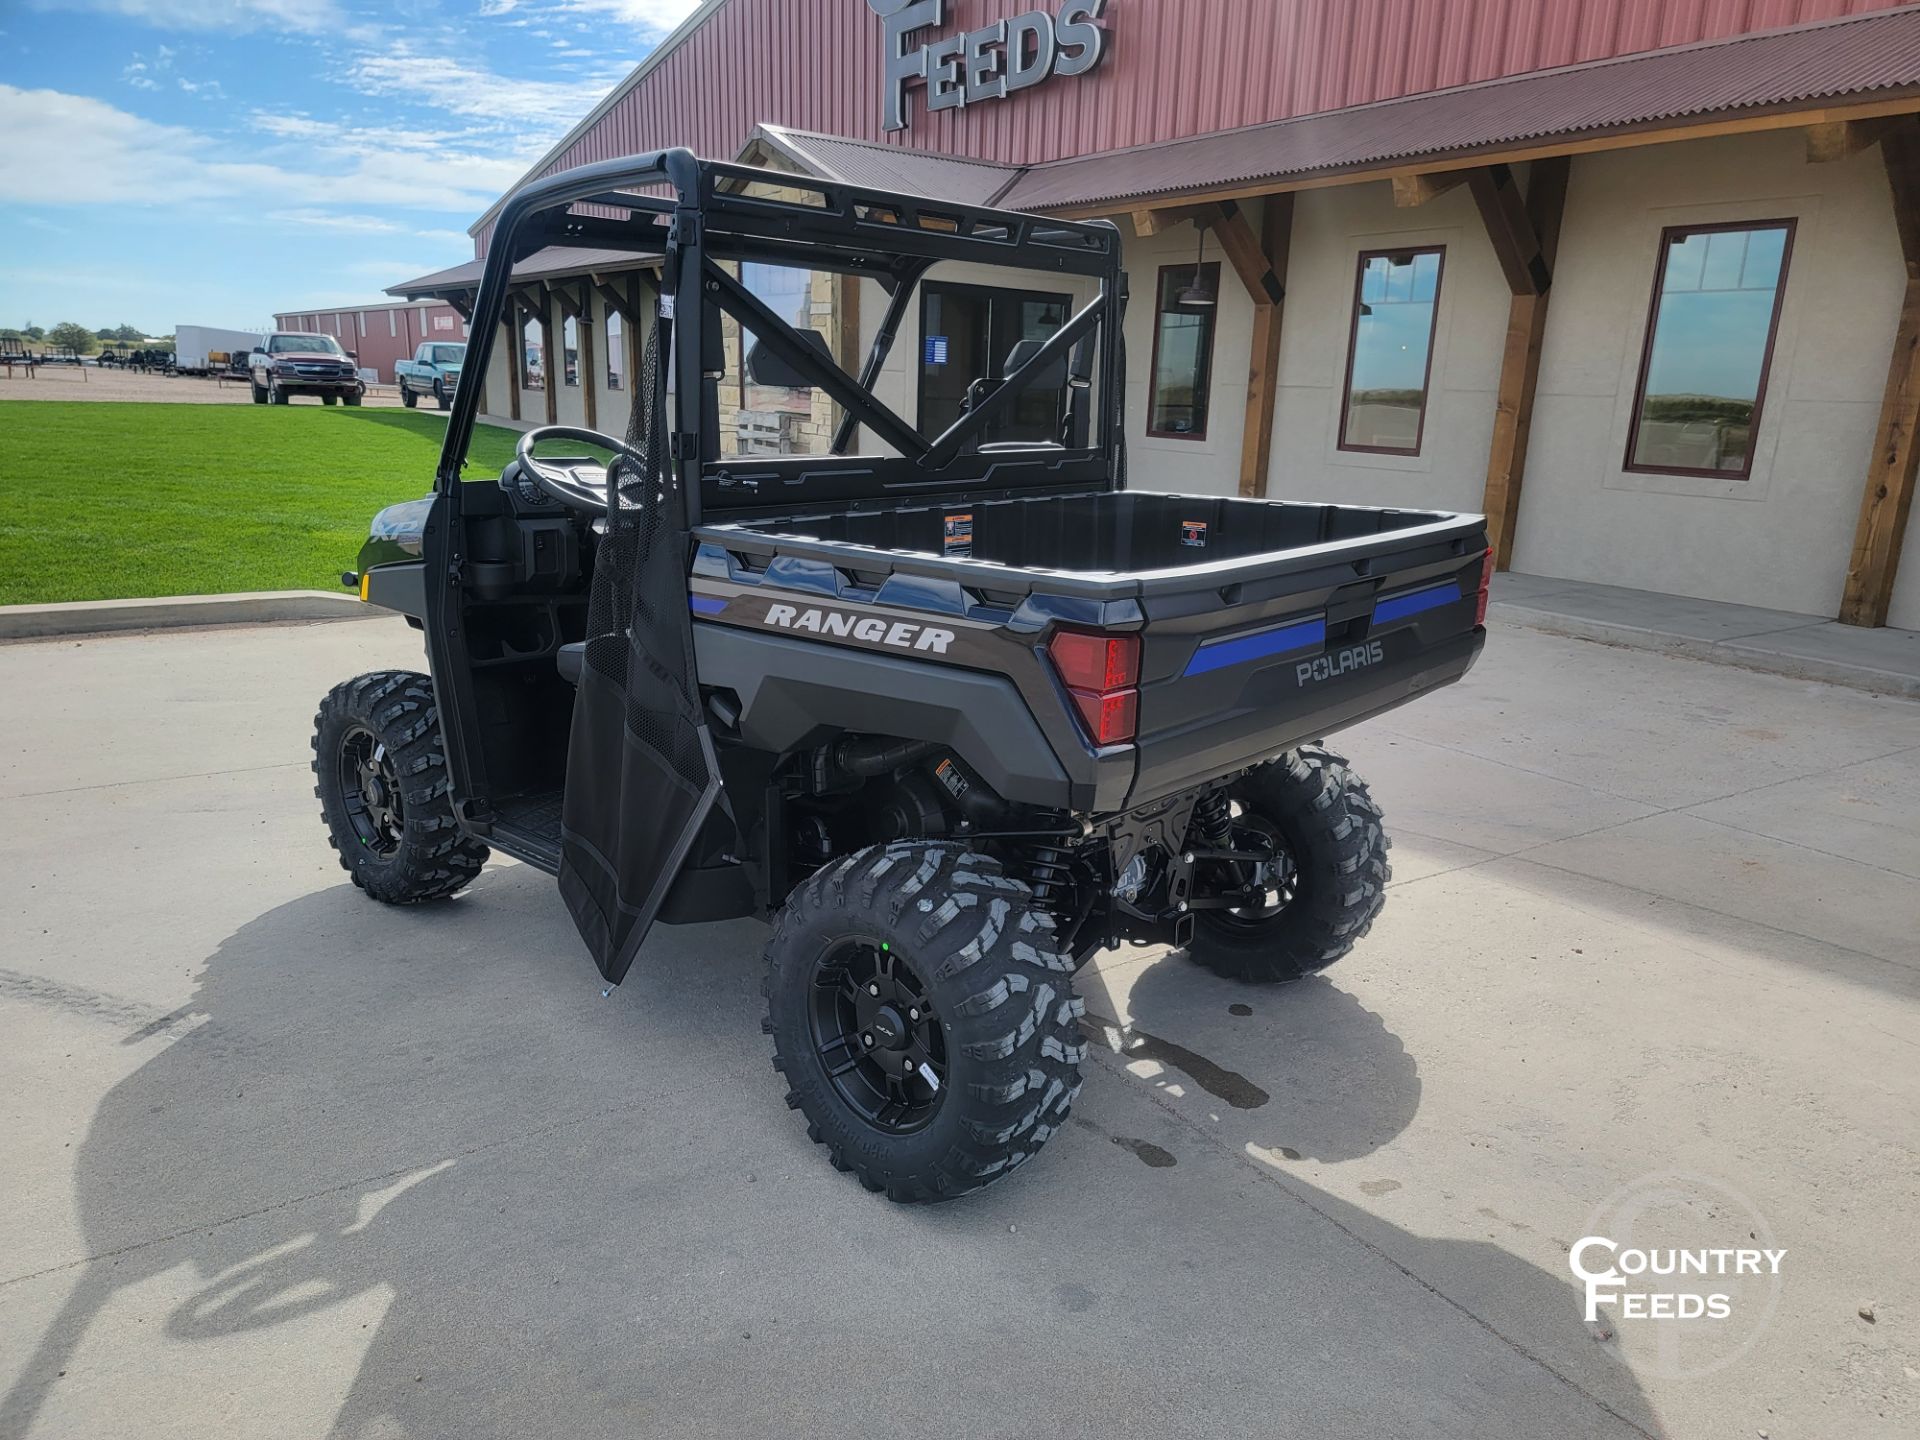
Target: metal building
[[378, 335], [1640, 279]]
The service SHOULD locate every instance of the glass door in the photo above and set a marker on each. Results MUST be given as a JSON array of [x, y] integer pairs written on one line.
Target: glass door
[[967, 334]]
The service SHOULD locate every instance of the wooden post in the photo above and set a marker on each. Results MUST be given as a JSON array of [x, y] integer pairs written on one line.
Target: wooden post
[[847, 350], [1263, 366], [1261, 263], [515, 358], [1887, 498], [549, 377], [584, 315], [1525, 237]]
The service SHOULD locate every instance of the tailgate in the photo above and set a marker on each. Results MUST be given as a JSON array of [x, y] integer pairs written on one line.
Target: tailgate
[[1277, 650]]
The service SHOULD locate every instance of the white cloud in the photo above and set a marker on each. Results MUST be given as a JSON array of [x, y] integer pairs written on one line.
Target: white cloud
[[655, 16], [458, 87], [109, 156], [301, 16], [349, 222]]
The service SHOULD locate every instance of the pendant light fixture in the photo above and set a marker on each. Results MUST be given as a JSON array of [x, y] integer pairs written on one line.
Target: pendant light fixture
[[1197, 294]]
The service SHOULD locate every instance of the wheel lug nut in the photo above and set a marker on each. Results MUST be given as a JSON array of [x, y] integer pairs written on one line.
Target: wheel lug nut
[[912, 1014], [873, 989], [866, 1040]]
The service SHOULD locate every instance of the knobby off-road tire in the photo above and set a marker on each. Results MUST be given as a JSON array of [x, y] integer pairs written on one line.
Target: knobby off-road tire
[[997, 1008], [397, 838], [1333, 834]]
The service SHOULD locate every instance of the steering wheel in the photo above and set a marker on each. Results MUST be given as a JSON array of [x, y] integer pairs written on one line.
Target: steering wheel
[[564, 485]]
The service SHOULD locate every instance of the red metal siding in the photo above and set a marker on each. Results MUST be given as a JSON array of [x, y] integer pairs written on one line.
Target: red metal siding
[[1174, 68], [377, 350]]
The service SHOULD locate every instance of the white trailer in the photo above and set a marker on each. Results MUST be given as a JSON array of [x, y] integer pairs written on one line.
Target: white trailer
[[193, 344]]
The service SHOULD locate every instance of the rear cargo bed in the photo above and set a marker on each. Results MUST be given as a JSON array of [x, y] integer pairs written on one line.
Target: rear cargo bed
[[1121, 536]]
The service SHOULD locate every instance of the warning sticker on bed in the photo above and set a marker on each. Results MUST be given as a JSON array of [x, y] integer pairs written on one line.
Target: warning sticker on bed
[[959, 535], [1194, 533]]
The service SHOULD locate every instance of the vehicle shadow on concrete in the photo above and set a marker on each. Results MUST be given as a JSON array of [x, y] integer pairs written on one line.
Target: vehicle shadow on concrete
[[1331, 1080], [594, 1217]]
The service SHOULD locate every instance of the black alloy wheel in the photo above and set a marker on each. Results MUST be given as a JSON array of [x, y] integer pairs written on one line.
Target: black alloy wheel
[[380, 774], [924, 1017], [1324, 886], [375, 808], [1270, 885], [875, 1033]]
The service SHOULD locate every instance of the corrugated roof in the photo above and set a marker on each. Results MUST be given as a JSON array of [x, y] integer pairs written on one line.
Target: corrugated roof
[[554, 260], [1876, 54], [891, 167]]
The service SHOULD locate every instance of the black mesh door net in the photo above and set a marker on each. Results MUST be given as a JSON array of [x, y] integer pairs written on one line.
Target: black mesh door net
[[641, 777]]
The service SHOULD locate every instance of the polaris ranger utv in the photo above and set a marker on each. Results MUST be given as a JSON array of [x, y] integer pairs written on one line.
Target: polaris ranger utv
[[953, 711]]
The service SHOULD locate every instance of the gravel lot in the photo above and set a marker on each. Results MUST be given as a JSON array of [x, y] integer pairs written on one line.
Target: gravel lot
[[90, 382], [280, 1163]]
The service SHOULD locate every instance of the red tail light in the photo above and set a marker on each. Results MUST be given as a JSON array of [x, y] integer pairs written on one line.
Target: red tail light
[[1101, 672], [1486, 585]]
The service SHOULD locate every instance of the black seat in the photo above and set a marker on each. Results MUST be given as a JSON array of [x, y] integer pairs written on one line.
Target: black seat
[[571, 659]]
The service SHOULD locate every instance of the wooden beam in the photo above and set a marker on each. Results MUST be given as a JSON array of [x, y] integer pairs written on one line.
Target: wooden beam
[[589, 380], [611, 297], [1832, 140], [1526, 329], [1516, 240], [847, 348], [1263, 366], [550, 375], [1148, 223], [1421, 186], [1887, 498], [511, 318], [1626, 137], [1246, 254]]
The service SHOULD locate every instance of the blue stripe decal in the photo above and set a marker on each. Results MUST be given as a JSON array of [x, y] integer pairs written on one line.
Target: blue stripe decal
[[1262, 644], [706, 604], [1399, 607]]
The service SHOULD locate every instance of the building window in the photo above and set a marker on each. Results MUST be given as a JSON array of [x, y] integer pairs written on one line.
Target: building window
[[533, 372], [570, 350], [1183, 353], [1703, 371], [1396, 300], [615, 333], [788, 293]]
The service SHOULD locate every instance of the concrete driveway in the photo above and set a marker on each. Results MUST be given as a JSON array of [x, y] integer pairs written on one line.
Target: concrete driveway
[[277, 1162]]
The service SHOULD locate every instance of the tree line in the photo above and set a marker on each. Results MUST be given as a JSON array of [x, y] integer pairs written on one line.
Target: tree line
[[68, 335]]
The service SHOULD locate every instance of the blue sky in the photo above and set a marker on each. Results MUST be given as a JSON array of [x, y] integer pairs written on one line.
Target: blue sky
[[170, 162]]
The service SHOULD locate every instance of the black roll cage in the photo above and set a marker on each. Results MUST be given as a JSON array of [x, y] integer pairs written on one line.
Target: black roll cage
[[713, 214]]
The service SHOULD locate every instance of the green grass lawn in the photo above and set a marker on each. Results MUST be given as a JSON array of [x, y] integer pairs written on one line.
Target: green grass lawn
[[112, 501]]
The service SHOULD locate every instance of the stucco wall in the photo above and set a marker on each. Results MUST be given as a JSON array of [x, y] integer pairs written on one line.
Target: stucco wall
[[1780, 539]]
